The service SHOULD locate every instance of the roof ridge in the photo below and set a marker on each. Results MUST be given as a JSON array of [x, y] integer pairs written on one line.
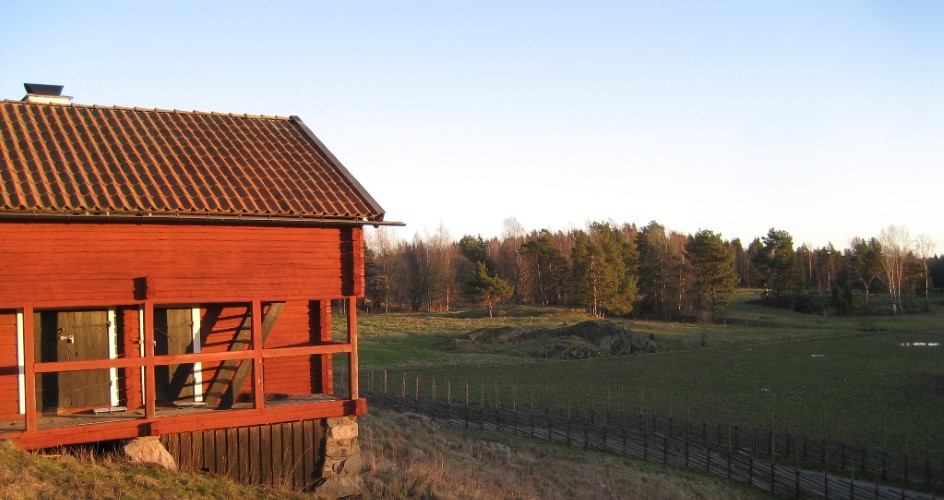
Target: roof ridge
[[119, 107]]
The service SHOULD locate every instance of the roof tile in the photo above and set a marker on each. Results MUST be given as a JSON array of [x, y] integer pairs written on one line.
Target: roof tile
[[119, 160]]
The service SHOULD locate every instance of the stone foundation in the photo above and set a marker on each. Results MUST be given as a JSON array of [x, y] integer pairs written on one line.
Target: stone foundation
[[341, 472]]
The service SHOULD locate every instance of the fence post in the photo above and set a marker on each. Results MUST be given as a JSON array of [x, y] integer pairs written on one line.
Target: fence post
[[750, 468], [884, 446], [466, 404], [482, 407], [532, 413], [586, 430], [665, 449], [550, 421], [645, 449], [497, 407], [623, 430], [568, 423]]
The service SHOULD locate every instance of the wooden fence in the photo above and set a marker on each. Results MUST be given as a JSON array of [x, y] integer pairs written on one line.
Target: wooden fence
[[782, 463]]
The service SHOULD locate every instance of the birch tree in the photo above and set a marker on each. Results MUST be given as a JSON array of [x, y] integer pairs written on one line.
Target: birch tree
[[896, 245]]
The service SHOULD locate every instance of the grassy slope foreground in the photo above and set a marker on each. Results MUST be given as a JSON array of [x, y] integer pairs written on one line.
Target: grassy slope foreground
[[410, 457], [405, 457]]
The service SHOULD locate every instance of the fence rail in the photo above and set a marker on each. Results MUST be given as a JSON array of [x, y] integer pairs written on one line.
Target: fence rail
[[782, 463]]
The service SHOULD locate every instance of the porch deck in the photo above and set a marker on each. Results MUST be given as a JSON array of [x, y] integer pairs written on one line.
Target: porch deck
[[87, 426]]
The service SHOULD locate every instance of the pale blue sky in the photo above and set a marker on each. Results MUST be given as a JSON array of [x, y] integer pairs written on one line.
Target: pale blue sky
[[825, 119]]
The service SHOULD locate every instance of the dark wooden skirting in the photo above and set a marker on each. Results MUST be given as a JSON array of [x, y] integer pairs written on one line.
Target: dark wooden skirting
[[288, 454]]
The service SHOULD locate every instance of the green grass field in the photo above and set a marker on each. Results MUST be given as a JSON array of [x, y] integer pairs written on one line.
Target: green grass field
[[849, 377]]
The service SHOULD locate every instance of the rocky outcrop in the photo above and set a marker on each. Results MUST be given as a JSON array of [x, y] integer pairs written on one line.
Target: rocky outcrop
[[149, 450], [343, 462], [583, 340]]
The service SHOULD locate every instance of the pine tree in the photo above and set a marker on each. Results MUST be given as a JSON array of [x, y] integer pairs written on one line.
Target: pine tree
[[603, 270], [779, 265], [488, 289], [659, 269], [713, 274]]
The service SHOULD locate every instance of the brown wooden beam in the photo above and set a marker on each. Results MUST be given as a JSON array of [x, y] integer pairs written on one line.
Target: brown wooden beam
[[231, 374], [46, 438], [330, 348], [176, 359], [324, 333]]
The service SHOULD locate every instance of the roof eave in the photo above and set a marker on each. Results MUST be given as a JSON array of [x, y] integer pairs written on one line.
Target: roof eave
[[40, 216], [316, 142]]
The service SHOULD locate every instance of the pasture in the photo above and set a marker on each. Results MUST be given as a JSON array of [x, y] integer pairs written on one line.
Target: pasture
[[859, 379]]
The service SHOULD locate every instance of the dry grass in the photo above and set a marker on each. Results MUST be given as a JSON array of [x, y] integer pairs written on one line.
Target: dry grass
[[408, 456], [405, 457], [83, 474]]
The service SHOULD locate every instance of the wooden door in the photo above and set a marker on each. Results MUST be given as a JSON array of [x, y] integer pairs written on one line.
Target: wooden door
[[173, 334], [72, 336]]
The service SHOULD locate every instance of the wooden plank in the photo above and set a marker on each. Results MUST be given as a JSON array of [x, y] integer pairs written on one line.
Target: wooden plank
[[276, 442], [196, 450], [185, 462], [29, 367], [288, 465], [258, 342], [324, 331], [232, 453], [307, 459], [209, 451], [331, 348], [131, 341], [298, 455], [93, 263], [150, 396], [265, 456], [255, 445], [223, 383], [172, 443], [352, 365], [169, 425], [245, 454]]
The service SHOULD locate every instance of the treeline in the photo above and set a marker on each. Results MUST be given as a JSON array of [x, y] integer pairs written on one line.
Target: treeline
[[624, 270]]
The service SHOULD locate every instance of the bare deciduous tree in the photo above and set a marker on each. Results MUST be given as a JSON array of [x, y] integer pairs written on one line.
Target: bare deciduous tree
[[896, 244], [924, 248]]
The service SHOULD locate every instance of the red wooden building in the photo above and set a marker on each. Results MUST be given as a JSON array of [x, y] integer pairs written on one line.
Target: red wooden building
[[168, 271]]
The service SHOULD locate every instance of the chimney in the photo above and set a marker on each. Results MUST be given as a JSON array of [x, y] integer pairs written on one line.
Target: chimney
[[45, 94]]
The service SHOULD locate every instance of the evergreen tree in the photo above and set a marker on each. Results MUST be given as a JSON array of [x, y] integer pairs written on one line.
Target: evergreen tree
[[779, 266], [547, 269], [713, 275], [659, 269], [604, 277], [488, 289]]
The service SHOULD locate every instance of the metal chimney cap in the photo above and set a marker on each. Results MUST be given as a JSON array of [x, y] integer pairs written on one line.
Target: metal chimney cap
[[43, 89]]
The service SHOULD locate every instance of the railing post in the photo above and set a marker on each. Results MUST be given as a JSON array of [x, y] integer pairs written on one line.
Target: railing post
[[29, 365], [150, 389], [352, 339], [258, 392]]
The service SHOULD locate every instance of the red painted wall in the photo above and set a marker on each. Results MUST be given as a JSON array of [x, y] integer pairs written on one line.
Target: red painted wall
[[9, 386], [76, 265]]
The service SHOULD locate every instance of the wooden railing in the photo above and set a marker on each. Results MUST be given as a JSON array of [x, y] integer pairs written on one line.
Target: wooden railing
[[257, 353]]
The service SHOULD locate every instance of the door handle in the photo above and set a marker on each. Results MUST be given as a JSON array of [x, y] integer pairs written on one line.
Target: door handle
[[70, 339]]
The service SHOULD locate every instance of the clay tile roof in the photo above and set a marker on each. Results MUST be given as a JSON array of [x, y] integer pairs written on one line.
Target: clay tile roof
[[75, 159]]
